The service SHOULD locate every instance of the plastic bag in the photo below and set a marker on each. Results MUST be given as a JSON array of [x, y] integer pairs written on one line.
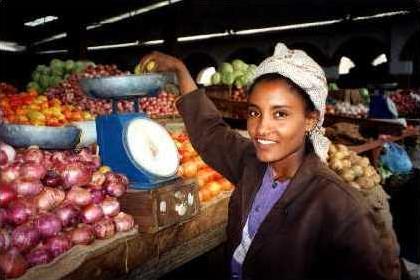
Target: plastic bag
[[396, 158]]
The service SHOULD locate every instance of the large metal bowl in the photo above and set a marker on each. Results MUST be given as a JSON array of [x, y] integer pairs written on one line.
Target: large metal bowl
[[22, 136], [127, 85]]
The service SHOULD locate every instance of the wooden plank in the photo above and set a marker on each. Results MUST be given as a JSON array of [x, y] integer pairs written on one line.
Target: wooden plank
[[380, 142]]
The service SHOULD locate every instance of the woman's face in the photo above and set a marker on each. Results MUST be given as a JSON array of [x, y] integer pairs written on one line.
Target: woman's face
[[277, 121]]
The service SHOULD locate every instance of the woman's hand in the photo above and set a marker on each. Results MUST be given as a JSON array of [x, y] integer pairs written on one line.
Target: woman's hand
[[167, 63]]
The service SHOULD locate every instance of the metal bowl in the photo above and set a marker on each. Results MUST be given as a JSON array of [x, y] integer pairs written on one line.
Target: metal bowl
[[22, 136], [127, 85]]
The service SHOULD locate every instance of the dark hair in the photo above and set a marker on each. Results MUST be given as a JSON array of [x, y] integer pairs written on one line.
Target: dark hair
[[269, 77]]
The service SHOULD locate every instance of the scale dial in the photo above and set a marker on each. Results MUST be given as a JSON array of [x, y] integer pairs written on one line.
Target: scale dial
[[151, 148]]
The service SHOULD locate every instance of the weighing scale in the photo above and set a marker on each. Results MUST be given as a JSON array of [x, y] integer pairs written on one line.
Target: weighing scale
[[132, 143]]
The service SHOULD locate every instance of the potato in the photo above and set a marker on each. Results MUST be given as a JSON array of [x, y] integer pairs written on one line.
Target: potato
[[364, 162], [348, 175], [336, 165], [342, 148], [339, 155], [346, 163], [355, 185], [365, 182], [369, 171], [332, 150], [357, 170]]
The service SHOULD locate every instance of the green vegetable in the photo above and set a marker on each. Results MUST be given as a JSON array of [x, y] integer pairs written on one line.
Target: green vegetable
[[79, 66], [57, 72], [332, 86], [69, 65], [42, 69], [239, 65], [228, 78], [56, 64], [55, 81], [226, 68], [35, 76], [216, 78], [33, 86], [44, 82]]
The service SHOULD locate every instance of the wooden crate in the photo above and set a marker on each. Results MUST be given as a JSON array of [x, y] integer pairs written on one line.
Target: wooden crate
[[161, 207]]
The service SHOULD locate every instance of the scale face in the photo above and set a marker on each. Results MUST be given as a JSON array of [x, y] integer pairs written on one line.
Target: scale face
[[151, 147], [138, 147]]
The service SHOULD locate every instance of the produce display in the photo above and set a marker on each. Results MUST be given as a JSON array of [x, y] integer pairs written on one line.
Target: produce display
[[6, 89], [70, 92], [347, 110], [31, 108], [53, 200], [210, 182], [163, 105], [236, 73], [354, 169], [408, 103], [45, 77]]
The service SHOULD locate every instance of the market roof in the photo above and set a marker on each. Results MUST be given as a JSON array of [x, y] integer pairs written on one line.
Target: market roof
[[120, 21]]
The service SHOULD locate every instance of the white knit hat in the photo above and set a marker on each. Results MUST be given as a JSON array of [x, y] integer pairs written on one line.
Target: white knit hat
[[306, 73]]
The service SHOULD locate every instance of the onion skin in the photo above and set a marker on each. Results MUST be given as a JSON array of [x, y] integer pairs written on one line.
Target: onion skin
[[97, 181], [38, 256], [25, 187], [10, 173], [7, 195], [32, 171], [92, 213], [20, 211], [58, 244], [115, 189], [9, 151], [123, 222], [49, 199], [76, 175], [97, 196], [82, 235], [48, 225], [5, 240], [4, 160], [4, 217], [34, 155], [25, 237], [12, 263], [69, 215], [52, 179], [79, 196], [104, 229], [110, 206]]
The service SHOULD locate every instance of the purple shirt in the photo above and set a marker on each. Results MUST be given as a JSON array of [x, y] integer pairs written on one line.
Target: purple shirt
[[268, 194]]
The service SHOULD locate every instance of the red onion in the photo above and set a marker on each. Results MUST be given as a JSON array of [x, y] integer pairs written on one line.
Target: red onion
[[4, 160], [83, 235], [58, 158], [123, 222], [49, 198], [85, 155], [27, 187], [116, 177], [92, 213], [97, 196], [20, 211], [10, 173], [48, 225], [9, 151], [38, 256], [4, 217], [76, 175], [34, 155], [52, 179], [110, 206], [79, 196], [32, 171], [58, 244], [97, 181], [104, 229], [12, 263], [116, 189], [25, 237], [5, 240], [7, 194], [69, 215]]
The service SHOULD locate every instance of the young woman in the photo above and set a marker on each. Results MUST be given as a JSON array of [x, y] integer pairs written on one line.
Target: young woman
[[290, 216]]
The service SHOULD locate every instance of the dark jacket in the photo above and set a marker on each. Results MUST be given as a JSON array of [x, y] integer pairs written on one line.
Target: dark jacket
[[320, 229]]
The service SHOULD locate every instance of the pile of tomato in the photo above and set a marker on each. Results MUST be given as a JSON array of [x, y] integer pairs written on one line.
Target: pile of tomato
[[34, 109]]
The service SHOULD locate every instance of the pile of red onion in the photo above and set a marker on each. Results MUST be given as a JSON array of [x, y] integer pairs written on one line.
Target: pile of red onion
[[163, 105], [53, 200]]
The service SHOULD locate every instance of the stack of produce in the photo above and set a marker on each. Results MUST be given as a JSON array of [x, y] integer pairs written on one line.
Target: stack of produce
[[31, 108], [45, 77], [210, 182], [348, 110], [163, 105], [6, 89], [51, 201], [70, 92], [408, 103], [354, 169]]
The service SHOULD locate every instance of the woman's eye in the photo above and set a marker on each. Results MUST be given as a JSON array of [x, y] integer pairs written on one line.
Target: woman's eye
[[253, 114], [280, 115]]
